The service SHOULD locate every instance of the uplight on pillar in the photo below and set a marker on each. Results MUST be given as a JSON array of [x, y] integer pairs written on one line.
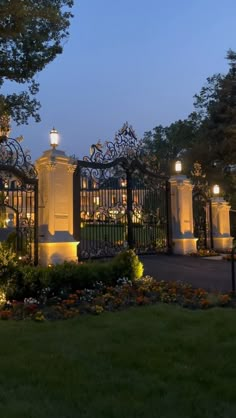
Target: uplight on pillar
[[220, 236], [54, 138], [55, 210], [216, 190], [178, 167]]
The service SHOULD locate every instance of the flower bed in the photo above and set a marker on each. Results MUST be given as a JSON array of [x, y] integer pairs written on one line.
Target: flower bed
[[204, 253], [102, 298], [228, 257]]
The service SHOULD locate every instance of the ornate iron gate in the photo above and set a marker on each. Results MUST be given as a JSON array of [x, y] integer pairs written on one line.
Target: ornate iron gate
[[202, 214], [18, 199], [118, 201], [200, 219]]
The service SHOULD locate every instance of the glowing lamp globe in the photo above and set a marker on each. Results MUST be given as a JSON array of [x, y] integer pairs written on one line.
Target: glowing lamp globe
[[178, 167], [216, 190], [54, 138]]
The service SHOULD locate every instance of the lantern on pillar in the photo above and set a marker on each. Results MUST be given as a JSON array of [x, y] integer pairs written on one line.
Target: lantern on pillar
[[54, 138], [178, 167], [216, 190]]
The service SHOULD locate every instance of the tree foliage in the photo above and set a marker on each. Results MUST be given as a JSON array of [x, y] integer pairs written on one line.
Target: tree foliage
[[215, 145], [165, 144], [32, 34], [217, 105], [208, 135]]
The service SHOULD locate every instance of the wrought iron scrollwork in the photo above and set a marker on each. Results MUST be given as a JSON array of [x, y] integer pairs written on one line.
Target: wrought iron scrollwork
[[121, 201], [125, 145], [18, 197], [125, 148], [13, 156]]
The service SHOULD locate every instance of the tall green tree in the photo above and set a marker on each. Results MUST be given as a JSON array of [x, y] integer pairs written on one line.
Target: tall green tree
[[215, 144], [32, 34], [216, 104], [165, 144], [208, 135]]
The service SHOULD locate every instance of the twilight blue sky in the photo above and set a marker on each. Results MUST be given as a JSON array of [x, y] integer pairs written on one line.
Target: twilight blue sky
[[129, 60]]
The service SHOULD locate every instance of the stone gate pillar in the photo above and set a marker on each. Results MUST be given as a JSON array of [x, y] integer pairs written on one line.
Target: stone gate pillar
[[55, 174], [182, 215], [221, 238]]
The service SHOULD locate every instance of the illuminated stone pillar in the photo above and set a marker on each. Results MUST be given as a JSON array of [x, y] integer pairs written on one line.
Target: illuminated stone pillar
[[221, 224], [56, 242], [182, 215]]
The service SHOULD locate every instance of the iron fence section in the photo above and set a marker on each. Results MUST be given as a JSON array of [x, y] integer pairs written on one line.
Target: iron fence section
[[116, 209], [232, 218], [118, 202], [202, 220], [18, 200]]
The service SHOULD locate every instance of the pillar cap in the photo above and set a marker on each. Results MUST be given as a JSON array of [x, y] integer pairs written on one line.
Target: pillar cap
[[218, 199], [52, 154], [178, 177]]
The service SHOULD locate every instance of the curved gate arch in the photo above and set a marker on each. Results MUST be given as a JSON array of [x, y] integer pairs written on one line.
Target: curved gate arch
[[18, 199]]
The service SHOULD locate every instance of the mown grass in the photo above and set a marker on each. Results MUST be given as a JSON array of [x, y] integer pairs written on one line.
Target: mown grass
[[117, 232], [155, 361]]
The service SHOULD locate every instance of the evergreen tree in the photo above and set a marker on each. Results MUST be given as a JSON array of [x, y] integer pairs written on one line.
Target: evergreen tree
[[216, 104]]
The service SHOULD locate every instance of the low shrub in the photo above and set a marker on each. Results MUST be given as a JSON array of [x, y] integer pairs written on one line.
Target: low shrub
[[26, 281], [38, 282], [8, 261], [74, 276], [127, 264]]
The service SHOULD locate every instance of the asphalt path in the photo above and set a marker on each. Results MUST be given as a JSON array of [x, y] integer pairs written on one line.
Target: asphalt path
[[210, 273]]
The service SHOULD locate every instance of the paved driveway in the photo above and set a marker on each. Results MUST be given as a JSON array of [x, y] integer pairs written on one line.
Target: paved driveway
[[208, 273]]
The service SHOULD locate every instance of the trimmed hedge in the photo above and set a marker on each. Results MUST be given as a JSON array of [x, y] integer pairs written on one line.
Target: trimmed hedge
[[27, 281]]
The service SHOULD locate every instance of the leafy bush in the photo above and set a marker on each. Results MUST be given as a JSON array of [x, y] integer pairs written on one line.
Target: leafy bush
[[78, 276], [26, 281], [8, 261], [29, 281], [127, 264]]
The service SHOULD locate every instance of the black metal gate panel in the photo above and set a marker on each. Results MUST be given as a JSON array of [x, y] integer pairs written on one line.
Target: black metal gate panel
[[202, 211], [232, 214], [18, 200], [119, 203], [202, 220]]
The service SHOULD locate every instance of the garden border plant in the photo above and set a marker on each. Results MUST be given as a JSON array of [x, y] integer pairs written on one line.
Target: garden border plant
[[24, 281], [64, 291]]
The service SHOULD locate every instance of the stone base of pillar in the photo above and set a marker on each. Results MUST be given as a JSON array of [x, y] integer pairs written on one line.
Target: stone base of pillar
[[183, 246], [222, 243], [57, 252]]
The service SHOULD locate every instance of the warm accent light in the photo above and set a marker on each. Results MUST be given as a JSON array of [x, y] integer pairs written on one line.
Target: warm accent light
[[216, 189], [178, 166], [123, 182], [54, 138]]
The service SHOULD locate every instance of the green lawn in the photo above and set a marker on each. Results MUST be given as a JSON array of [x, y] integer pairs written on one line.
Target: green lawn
[[156, 361], [117, 232]]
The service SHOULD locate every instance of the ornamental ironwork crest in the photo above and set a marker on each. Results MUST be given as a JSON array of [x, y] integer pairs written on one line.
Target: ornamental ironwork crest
[[125, 145]]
